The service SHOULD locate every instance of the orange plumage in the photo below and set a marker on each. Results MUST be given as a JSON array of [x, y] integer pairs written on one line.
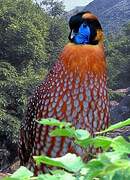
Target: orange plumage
[[84, 58], [74, 90]]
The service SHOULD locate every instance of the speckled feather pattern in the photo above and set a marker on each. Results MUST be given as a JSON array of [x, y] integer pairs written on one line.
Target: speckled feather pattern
[[64, 95]]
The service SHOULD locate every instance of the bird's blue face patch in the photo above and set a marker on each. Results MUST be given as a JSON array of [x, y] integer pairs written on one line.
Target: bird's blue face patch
[[83, 35]]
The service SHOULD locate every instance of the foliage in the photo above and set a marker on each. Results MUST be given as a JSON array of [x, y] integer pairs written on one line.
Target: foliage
[[30, 40], [23, 30], [113, 163], [118, 55], [57, 37], [53, 7], [29, 34], [57, 31], [14, 89]]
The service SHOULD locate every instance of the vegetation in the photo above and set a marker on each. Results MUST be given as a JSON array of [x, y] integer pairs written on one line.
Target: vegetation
[[118, 55], [113, 163], [30, 40]]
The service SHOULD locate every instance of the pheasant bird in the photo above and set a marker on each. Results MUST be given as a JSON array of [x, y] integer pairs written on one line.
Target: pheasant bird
[[75, 90]]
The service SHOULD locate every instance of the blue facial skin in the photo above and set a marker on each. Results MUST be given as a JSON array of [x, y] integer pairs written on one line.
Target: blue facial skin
[[83, 36]]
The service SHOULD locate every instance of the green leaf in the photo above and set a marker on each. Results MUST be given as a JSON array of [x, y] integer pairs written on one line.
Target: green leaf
[[109, 157], [101, 141], [58, 171], [119, 165], [62, 174], [70, 162], [119, 144], [9, 178], [58, 176], [94, 167], [54, 122], [84, 143], [47, 177], [79, 134], [116, 126], [67, 132], [94, 164], [122, 174], [106, 165], [82, 134], [82, 138], [22, 173]]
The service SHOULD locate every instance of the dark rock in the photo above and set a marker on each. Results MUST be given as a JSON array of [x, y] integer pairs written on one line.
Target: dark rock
[[113, 104], [128, 90], [125, 132], [8, 153], [4, 156], [121, 111]]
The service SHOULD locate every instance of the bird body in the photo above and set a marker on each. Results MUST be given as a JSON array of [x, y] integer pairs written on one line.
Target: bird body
[[75, 90]]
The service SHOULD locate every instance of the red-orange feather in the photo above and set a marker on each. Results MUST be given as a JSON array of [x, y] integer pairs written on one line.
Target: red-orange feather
[[74, 90]]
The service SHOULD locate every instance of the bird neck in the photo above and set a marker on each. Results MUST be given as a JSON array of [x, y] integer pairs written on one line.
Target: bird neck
[[82, 59]]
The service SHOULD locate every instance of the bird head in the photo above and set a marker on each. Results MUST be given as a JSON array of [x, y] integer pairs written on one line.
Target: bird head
[[85, 29]]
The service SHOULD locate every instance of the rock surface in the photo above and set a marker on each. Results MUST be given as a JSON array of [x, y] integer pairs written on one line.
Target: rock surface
[[121, 111]]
